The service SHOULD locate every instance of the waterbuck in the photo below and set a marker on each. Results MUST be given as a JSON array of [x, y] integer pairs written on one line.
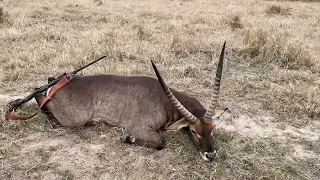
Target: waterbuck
[[139, 104]]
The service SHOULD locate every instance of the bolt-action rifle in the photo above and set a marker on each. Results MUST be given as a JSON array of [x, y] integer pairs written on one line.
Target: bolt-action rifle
[[17, 103]]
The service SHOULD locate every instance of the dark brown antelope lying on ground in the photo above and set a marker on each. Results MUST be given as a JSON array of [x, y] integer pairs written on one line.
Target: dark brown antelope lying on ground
[[140, 105]]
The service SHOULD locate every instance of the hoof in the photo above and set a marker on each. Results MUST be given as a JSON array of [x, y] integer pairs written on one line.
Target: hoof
[[127, 139]]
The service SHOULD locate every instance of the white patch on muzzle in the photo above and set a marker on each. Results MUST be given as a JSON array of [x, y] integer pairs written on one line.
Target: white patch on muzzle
[[204, 155]]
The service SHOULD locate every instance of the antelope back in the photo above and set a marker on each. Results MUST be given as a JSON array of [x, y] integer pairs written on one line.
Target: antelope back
[[116, 100]]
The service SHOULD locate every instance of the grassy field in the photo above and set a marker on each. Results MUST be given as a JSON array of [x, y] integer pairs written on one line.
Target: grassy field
[[271, 84]]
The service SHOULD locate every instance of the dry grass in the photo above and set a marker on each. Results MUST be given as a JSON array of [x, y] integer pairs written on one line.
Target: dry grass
[[264, 48], [4, 17], [92, 152], [294, 100], [270, 84], [235, 22], [276, 9], [296, 0]]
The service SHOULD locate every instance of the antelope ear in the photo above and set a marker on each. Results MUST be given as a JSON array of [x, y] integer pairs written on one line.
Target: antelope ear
[[178, 125]]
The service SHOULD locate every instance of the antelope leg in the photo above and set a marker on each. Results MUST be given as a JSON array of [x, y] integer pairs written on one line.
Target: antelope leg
[[144, 137]]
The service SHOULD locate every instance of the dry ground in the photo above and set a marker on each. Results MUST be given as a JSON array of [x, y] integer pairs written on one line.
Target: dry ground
[[270, 83]]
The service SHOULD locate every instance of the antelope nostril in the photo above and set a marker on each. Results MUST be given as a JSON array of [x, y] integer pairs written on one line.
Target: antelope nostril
[[211, 155]]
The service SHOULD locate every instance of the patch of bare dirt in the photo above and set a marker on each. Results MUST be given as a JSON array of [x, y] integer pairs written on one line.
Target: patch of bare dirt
[[264, 127]]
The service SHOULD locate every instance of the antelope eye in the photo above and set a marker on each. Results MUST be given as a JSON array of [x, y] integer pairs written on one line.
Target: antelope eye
[[193, 131]]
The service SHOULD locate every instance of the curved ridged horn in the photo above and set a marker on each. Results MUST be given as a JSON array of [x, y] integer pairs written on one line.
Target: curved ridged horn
[[211, 110], [190, 117]]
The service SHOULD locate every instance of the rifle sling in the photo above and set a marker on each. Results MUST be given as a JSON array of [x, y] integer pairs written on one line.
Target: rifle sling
[[54, 89]]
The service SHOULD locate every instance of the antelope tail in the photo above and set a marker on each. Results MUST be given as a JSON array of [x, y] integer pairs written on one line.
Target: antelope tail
[[190, 117], [211, 110]]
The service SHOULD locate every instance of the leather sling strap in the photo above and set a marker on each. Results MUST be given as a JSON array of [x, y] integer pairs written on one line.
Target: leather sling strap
[[54, 89]]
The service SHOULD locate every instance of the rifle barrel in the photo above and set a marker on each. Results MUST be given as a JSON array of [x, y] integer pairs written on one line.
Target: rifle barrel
[[74, 72]]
